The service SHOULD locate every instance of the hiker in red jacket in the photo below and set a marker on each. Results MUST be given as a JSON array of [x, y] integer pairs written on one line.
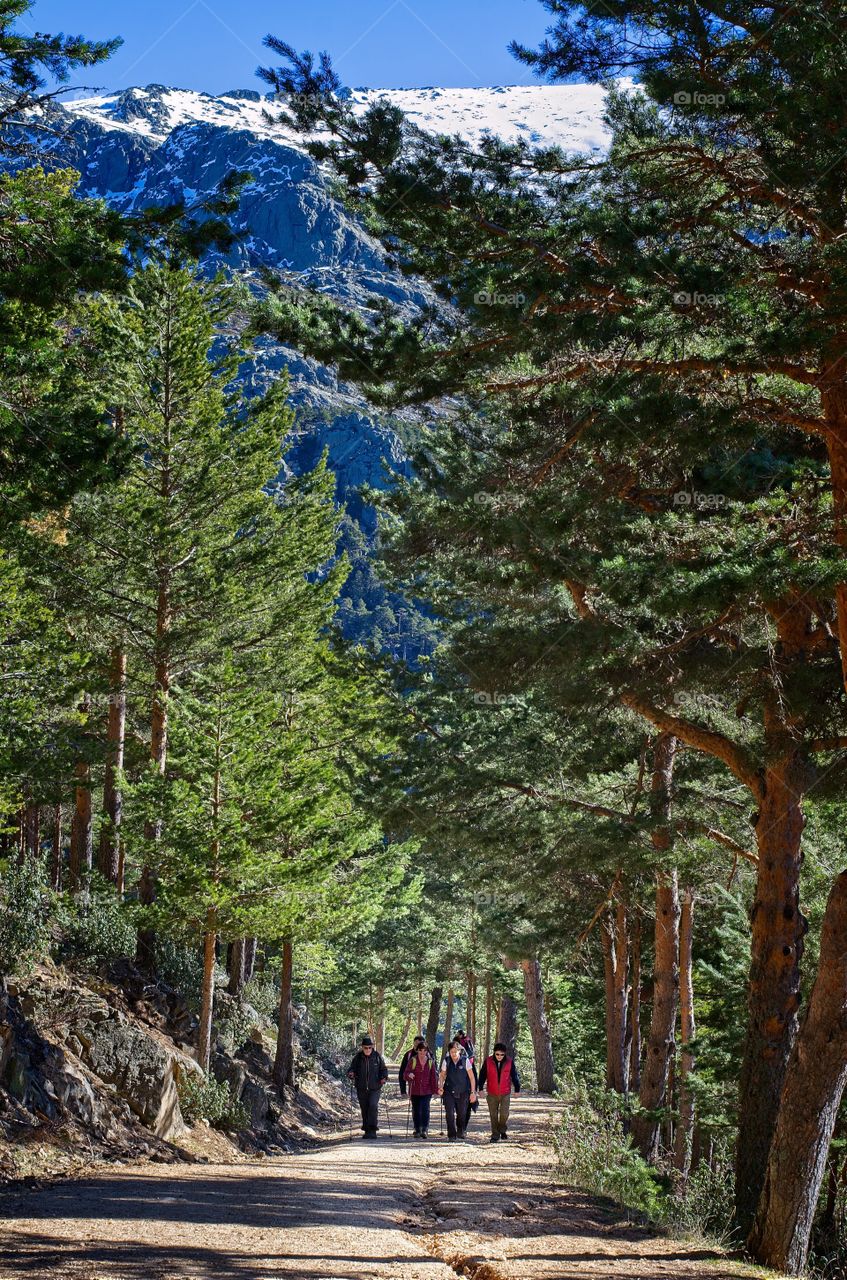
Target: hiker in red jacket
[[422, 1080], [499, 1075]]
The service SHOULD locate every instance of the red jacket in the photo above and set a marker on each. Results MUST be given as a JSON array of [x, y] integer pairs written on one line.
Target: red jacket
[[423, 1080], [499, 1082]]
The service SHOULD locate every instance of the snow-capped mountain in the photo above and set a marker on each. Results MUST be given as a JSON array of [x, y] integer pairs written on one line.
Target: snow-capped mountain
[[157, 145], [569, 116]]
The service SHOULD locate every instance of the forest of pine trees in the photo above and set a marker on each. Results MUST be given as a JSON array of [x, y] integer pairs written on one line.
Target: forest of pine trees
[[604, 821]]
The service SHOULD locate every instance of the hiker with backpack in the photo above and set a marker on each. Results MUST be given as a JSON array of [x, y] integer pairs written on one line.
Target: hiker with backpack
[[422, 1079], [406, 1059], [499, 1076], [368, 1073], [457, 1086]]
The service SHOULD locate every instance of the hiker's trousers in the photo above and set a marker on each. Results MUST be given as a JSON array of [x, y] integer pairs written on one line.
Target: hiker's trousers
[[498, 1110]]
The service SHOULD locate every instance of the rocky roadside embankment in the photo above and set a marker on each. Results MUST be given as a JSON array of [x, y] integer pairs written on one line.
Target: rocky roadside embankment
[[92, 1070]]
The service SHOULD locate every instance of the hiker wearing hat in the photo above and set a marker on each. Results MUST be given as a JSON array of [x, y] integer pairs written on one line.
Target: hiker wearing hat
[[422, 1079], [456, 1085], [368, 1073], [499, 1076]]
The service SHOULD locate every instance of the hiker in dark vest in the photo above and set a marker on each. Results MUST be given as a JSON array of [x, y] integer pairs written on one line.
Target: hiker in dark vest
[[457, 1086], [470, 1052], [407, 1058], [368, 1073], [499, 1076], [423, 1083]]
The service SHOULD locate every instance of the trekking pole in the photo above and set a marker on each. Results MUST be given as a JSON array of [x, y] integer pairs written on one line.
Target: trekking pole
[[442, 1115], [387, 1114], [408, 1114], [351, 1111]]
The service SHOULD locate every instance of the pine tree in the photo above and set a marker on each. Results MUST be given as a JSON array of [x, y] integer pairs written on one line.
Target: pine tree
[[646, 366]]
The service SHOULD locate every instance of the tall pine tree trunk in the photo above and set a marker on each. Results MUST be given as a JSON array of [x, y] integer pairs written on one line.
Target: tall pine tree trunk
[[56, 850], [507, 1020], [834, 404], [607, 942], [146, 946], [489, 1012], [108, 859], [79, 864], [433, 1018], [207, 991], [634, 1035], [778, 929], [539, 1029], [32, 830], [448, 1020], [404, 1037], [811, 1097], [653, 1095], [688, 1030], [379, 1021], [283, 1072], [621, 998], [249, 958], [235, 968]]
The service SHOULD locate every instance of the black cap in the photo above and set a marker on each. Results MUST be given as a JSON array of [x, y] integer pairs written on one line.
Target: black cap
[[367, 1040]]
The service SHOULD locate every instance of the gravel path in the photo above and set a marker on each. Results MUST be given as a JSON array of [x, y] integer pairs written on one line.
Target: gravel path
[[392, 1208]]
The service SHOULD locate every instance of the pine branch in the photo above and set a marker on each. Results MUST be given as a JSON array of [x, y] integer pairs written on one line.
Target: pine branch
[[717, 745]]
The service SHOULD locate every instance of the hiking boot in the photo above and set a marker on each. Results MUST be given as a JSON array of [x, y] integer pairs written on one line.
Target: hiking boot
[[418, 1133], [424, 1133], [369, 1133], [495, 1137], [504, 1136]]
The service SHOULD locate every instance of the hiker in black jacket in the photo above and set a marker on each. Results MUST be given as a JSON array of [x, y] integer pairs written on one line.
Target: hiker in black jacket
[[407, 1058], [368, 1073]]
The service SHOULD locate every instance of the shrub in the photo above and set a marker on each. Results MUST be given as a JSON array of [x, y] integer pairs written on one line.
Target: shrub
[[706, 1207], [97, 926], [25, 912], [262, 992], [202, 1097], [594, 1153], [181, 966]]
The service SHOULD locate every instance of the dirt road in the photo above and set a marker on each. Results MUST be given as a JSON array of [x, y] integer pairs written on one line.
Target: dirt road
[[393, 1208]]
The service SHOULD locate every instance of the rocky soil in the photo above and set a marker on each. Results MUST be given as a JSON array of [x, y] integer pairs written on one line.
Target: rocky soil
[[90, 1070], [395, 1208]]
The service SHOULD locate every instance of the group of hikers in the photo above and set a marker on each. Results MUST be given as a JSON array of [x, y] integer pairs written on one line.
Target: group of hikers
[[457, 1082]]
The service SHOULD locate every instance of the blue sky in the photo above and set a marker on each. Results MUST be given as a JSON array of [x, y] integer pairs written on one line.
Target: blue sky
[[216, 44]]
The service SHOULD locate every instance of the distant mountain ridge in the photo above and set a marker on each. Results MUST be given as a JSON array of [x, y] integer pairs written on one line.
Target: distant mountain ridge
[[158, 145], [569, 116]]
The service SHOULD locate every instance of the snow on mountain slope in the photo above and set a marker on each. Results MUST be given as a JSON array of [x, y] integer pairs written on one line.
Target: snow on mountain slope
[[565, 115]]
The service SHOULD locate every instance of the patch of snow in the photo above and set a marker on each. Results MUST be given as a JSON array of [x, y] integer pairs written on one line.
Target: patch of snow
[[569, 116]]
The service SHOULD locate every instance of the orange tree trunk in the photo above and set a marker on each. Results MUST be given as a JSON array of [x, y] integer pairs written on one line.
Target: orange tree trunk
[[634, 1034], [507, 1020], [79, 863], [207, 992], [539, 1029], [108, 856], [776, 948], [685, 1125], [434, 1018], [653, 1096], [283, 1072], [489, 1010], [811, 1096]]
